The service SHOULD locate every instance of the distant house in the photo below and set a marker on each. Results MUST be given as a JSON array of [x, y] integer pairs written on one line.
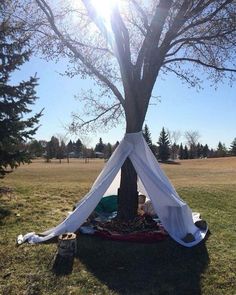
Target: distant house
[[75, 155], [72, 155], [99, 155]]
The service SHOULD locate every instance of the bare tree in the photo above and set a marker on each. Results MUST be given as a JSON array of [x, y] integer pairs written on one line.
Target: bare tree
[[126, 52], [192, 137], [62, 149], [86, 141], [174, 137]]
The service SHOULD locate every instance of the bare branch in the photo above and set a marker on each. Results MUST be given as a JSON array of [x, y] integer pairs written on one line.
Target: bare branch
[[199, 39], [105, 115], [208, 18], [122, 42], [192, 138], [135, 24], [50, 17], [198, 61], [152, 38], [186, 76], [178, 48], [142, 13], [147, 38]]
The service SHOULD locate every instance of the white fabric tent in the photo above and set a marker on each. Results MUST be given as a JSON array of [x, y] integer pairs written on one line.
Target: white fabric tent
[[174, 213]]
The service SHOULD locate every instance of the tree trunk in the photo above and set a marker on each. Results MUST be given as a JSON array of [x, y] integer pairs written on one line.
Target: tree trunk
[[136, 104], [127, 193]]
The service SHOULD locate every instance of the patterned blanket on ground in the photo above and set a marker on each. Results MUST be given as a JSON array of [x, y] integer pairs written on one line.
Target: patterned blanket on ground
[[142, 229]]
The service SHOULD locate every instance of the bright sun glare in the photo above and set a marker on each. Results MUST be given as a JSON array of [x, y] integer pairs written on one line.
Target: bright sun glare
[[104, 8]]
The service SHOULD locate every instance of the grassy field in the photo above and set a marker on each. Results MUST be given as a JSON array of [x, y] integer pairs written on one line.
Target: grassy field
[[38, 196]]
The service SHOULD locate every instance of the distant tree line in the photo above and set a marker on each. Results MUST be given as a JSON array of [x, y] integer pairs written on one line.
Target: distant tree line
[[166, 148], [57, 148]]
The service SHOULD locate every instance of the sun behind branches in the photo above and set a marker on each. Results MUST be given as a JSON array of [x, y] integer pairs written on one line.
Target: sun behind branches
[[104, 8]]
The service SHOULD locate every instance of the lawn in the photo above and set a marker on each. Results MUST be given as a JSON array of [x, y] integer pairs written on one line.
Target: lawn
[[38, 196]]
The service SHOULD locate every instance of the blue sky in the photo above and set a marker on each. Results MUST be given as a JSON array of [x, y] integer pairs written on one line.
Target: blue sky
[[210, 112]]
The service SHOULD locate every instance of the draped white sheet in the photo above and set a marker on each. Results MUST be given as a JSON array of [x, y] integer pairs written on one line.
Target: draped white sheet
[[174, 213]]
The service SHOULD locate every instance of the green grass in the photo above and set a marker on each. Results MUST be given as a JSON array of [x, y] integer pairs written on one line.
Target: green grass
[[43, 193]]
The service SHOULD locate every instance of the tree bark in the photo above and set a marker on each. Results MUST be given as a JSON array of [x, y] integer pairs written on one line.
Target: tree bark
[[127, 193]]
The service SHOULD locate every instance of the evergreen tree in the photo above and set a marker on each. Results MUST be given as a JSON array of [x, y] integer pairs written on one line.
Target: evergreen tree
[[61, 150], [199, 149], [92, 153], [174, 150], [79, 148], [233, 148], [181, 152], [100, 146], [211, 153], [205, 151], [147, 135], [115, 146], [221, 150], [52, 148], [163, 146], [108, 150], [192, 152], [70, 147], [15, 127], [186, 153], [35, 148]]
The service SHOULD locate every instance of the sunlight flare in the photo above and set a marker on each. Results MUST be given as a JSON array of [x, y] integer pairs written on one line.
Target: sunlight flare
[[104, 8]]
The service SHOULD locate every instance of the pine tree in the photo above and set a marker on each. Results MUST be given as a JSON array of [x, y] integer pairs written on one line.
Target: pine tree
[[181, 152], [79, 148], [192, 152], [115, 146], [211, 153], [35, 148], [163, 146], [100, 146], [199, 149], [147, 135], [221, 150], [148, 138], [233, 148], [108, 150], [15, 128], [174, 151], [186, 152], [61, 150], [52, 148], [205, 151], [70, 147]]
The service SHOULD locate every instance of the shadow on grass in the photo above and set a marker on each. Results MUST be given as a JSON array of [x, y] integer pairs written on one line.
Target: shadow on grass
[[3, 214], [171, 162], [130, 268]]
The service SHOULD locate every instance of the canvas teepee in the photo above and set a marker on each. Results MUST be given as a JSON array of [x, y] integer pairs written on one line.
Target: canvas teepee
[[174, 213]]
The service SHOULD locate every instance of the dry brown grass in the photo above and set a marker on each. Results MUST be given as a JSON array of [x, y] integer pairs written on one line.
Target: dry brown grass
[[77, 172], [202, 172]]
